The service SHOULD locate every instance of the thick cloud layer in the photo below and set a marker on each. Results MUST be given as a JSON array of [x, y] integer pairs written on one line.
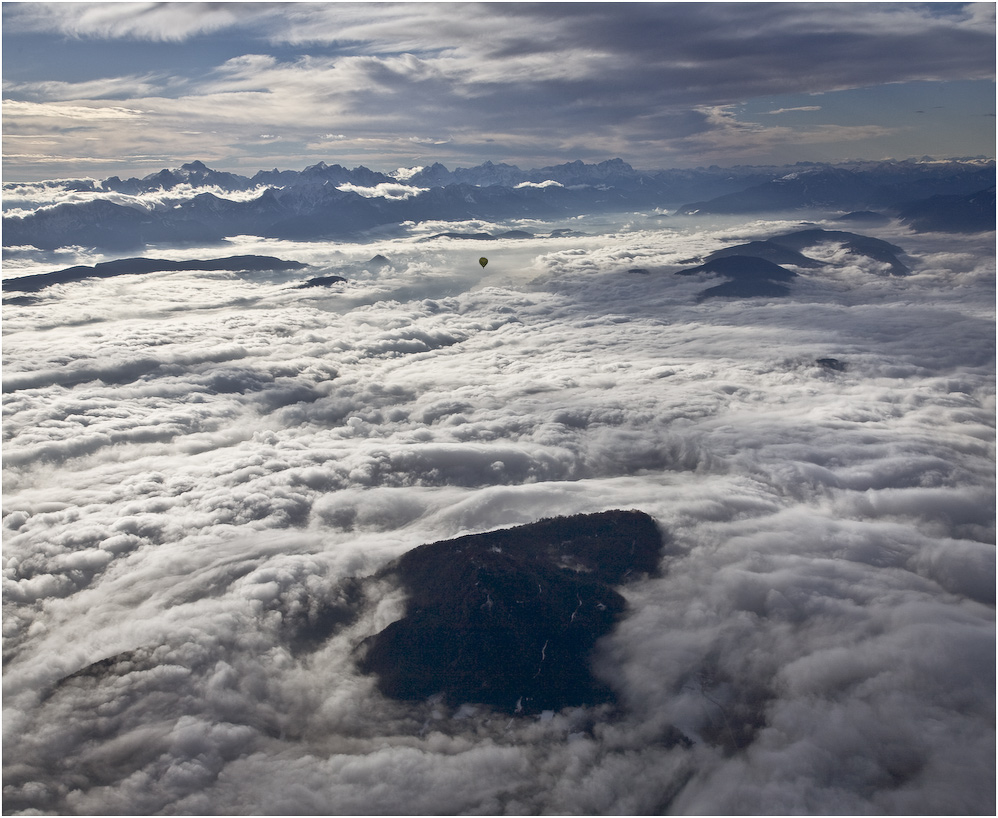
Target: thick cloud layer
[[195, 462]]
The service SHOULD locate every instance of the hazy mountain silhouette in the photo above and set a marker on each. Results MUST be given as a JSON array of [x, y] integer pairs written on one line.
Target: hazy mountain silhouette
[[857, 187], [196, 174], [753, 268], [952, 214], [749, 277], [137, 266], [864, 217], [877, 249], [742, 266], [768, 250], [802, 189], [334, 202]]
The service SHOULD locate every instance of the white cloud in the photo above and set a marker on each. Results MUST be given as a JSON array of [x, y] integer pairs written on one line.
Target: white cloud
[[25, 111], [22, 199], [110, 88], [544, 184], [798, 108], [150, 21], [194, 461], [386, 190], [728, 136], [402, 174]]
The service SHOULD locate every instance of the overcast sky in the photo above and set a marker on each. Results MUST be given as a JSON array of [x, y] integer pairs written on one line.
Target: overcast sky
[[94, 89]]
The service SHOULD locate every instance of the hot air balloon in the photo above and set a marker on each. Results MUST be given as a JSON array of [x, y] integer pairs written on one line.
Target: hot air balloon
[[483, 261]]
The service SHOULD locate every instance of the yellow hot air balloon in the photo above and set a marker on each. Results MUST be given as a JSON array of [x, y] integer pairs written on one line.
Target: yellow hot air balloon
[[483, 261]]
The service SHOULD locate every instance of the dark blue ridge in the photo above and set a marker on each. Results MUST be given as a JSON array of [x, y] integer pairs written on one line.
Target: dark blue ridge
[[138, 266], [742, 267]]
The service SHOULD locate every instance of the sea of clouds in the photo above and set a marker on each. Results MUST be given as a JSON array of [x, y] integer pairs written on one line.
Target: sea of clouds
[[195, 462]]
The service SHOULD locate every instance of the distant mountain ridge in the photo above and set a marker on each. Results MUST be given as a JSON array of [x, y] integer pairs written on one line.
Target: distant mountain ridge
[[333, 202], [139, 266], [952, 213], [839, 188], [488, 174]]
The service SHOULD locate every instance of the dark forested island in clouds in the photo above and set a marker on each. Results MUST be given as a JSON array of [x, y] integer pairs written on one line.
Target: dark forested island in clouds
[[196, 204]]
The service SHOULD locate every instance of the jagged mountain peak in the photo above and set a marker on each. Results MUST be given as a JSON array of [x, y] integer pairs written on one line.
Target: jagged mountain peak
[[331, 201]]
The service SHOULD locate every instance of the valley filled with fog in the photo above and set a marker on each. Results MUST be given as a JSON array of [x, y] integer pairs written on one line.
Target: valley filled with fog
[[194, 460]]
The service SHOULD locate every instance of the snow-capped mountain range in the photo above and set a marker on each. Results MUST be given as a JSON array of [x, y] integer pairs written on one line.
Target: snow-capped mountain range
[[199, 204]]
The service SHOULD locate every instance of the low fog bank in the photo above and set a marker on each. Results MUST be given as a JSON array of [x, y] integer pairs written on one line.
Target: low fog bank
[[194, 463]]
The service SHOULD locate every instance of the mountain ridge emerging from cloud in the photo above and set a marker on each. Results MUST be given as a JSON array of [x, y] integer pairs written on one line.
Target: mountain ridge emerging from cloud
[[489, 173], [138, 266], [195, 203]]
